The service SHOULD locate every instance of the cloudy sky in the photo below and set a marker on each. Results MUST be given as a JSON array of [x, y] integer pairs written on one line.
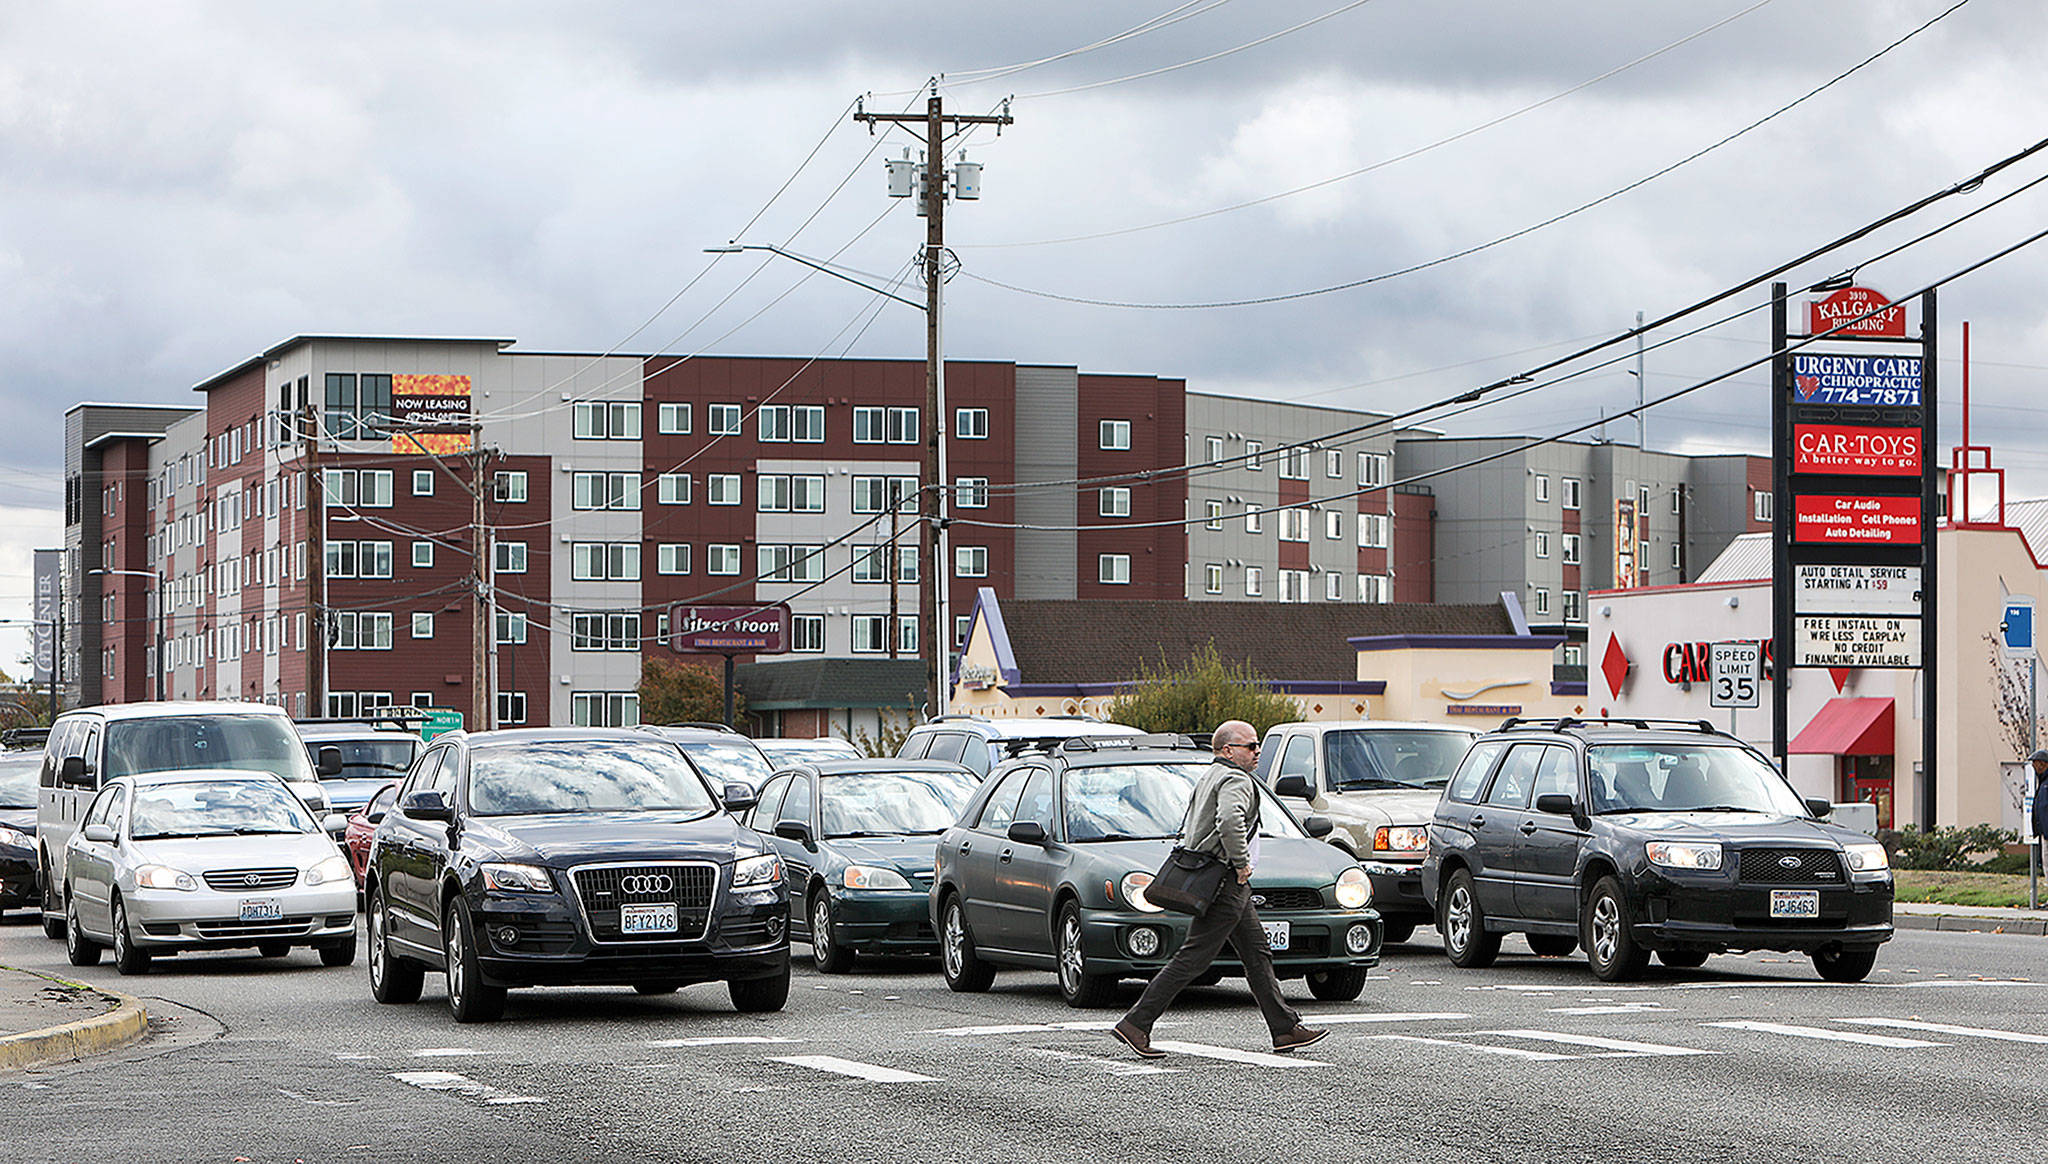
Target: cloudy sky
[[188, 183]]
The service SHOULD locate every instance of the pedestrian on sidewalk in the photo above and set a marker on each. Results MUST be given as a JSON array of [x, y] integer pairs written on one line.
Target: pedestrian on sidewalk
[[1223, 821], [2039, 760]]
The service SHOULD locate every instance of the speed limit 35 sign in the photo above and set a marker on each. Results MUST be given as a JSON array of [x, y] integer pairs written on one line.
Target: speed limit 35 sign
[[1735, 674]]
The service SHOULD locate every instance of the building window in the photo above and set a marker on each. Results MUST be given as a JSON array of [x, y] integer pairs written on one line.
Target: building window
[[1333, 586], [970, 561], [871, 564], [1294, 464], [1678, 499], [604, 561], [1677, 557], [509, 557], [773, 422], [1574, 655], [509, 486], [1542, 603], [422, 555], [1212, 449], [807, 423], [1212, 578], [604, 708], [511, 708], [807, 632], [373, 559], [1294, 585], [721, 558], [1373, 468], [1571, 549], [673, 488], [1542, 543], [422, 482], [1333, 524], [673, 419], [1569, 495], [1333, 463], [672, 558], [423, 625], [722, 488], [605, 491], [961, 624], [598, 420], [1114, 434], [1574, 606], [725, 419], [906, 634], [1213, 514], [791, 563], [368, 488], [1542, 487], [1762, 505], [1251, 456], [1252, 520], [604, 632], [868, 632], [970, 492], [970, 423], [807, 494], [903, 426], [358, 407], [511, 629], [869, 425], [1113, 501], [1294, 525], [1372, 530], [362, 631], [1113, 569], [1254, 581], [1375, 588], [771, 493]]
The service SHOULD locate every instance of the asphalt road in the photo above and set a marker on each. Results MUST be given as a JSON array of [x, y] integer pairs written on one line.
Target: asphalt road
[[1943, 1055]]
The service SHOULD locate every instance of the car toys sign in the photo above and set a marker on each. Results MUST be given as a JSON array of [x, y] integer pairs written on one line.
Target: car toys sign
[[728, 630], [1856, 449], [1856, 521]]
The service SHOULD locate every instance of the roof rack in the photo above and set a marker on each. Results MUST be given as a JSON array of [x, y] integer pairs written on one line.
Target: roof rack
[[24, 737], [702, 725], [1175, 741], [1567, 723], [403, 718]]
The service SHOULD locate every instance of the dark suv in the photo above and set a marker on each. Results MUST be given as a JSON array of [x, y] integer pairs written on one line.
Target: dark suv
[[571, 856], [1636, 837]]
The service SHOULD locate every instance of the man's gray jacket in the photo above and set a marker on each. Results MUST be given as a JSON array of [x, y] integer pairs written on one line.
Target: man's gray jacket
[[1223, 815]]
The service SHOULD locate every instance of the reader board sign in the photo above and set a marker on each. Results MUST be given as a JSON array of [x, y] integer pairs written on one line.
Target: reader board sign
[[1856, 449], [1839, 589], [1846, 305], [762, 629], [1881, 381], [1826, 519], [1830, 641]]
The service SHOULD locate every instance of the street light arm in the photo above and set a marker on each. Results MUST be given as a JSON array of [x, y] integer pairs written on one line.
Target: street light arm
[[736, 248]]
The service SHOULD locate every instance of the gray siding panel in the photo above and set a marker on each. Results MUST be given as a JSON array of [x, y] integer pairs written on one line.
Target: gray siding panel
[[1047, 403]]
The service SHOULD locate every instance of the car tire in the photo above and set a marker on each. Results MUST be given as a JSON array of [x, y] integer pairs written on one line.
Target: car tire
[[760, 995], [1552, 945], [470, 998], [78, 949], [273, 949], [655, 988], [1081, 988], [1338, 984], [826, 952], [1683, 959], [341, 953], [128, 958], [1610, 946], [965, 972], [1845, 965], [394, 981], [1467, 941], [1396, 931], [53, 914]]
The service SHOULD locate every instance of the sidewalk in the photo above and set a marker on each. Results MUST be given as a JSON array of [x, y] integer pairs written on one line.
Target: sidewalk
[[1989, 919], [49, 1020]]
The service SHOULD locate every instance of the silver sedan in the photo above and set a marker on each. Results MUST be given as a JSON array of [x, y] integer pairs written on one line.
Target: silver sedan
[[205, 859]]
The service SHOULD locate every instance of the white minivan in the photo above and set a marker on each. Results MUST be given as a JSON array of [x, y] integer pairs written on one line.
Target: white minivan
[[95, 744]]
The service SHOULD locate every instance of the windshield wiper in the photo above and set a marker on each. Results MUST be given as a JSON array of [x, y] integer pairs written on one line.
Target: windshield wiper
[[180, 836], [256, 831], [1721, 808]]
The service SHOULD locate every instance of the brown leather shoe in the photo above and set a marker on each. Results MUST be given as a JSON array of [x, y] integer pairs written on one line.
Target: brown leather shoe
[[1129, 1035], [1298, 1038]]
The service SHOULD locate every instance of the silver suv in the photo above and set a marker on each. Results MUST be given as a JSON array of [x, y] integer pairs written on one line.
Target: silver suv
[[1378, 782], [981, 744]]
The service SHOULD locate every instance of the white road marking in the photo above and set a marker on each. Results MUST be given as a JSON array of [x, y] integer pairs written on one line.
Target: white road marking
[[1620, 1046], [444, 1052], [1411, 1017], [719, 1040], [1946, 1029], [462, 1085], [859, 1070], [1482, 1048], [1611, 1008], [1024, 1028], [1828, 1035], [1107, 1066], [1235, 1055]]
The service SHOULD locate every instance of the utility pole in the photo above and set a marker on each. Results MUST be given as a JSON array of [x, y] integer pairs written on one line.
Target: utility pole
[[1640, 422], [316, 535], [485, 604], [935, 640]]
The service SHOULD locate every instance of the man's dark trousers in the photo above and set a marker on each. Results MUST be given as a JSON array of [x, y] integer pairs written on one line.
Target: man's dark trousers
[[1231, 919]]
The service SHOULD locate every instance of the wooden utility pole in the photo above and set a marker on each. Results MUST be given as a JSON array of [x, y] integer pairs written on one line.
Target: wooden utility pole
[[481, 639], [932, 648]]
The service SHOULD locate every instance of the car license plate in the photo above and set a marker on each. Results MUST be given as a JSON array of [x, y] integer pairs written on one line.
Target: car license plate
[[1795, 903], [257, 909], [647, 919], [1277, 935]]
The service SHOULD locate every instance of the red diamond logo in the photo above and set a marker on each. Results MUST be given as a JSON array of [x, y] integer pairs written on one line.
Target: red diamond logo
[[1614, 665]]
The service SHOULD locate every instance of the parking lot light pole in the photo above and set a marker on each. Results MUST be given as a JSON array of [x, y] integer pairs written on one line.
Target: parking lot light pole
[[156, 600]]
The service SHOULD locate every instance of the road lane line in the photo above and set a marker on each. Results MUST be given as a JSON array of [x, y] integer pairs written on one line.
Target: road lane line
[[1025, 1028], [444, 1052], [1482, 1048], [1625, 1046], [719, 1040], [1107, 1066], [868, 1071], [462, 1085], [1236, 1055], [1409, 1017], [1828, 1035], [1946, 1029], [1613, 1008]]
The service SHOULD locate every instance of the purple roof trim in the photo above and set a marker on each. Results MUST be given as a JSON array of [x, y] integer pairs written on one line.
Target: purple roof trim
[[1345, 687], [990, 611], [1577, 688], [1456, 642]]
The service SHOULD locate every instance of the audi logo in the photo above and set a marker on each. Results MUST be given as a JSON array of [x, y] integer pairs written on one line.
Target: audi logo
[[1789, 861], [646, 883]]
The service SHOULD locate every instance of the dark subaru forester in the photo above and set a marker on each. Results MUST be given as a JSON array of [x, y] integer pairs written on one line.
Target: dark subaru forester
[[1634, 837], [571, 857]]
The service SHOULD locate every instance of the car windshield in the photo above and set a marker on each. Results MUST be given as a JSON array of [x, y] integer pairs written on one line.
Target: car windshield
[[863, 804], [1124, 802], [368, 759], [1687, 778], [249, 743], [216, 808], [1363, 759], [583, 776], [18, 781], [729, 761]]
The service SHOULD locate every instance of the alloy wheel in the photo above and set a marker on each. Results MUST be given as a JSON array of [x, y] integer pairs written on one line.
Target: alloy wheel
[[1072, 968], [953, 947], [1458, 919], [1606, 929]]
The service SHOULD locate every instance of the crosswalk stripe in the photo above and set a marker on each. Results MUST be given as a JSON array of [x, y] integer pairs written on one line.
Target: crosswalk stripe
[[868, 1071], [719, 1041], [1946, 1029], [1107, 1066], [1235, 1055], [462, 1085], [1414, 1017], [1025, 1028], [1625, 1046], [1822, 1033], [1482, 1048], [444, 1052]]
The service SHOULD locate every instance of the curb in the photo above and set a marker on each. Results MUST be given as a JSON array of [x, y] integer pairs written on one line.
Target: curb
[[1969, 923], [126, 1024]]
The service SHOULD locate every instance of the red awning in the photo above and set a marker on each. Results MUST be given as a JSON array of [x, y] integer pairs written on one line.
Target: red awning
[[1848, 727]]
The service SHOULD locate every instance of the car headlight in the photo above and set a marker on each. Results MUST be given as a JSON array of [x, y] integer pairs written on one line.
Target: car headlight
[[871, 877], [1400, 838], [751, 872], [516, 878], [1134, 892], [333, 868], [1866, 858], [1680, 855], [164, 877], [15, 838], [1354, 888]]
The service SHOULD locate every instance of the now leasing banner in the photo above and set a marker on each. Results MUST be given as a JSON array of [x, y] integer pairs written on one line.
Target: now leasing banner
[[1875, 521]]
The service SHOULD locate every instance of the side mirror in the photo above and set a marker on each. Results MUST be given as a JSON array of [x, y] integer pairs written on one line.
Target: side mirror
[[73, 773], [1295, 786], [1819, 806], [796, 830], [333, 822], [1027, 832], [740, 797], [99, 834], [1317, 826], [427, 806], [1558, 804], [329, 763]]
